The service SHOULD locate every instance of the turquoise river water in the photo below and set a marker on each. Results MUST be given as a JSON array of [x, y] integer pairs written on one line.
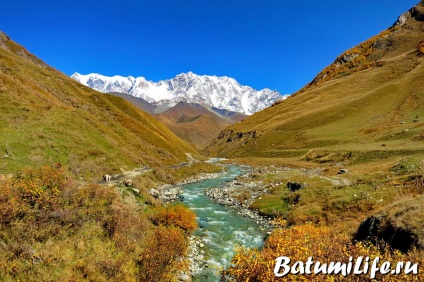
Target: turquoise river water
[[220, 228]]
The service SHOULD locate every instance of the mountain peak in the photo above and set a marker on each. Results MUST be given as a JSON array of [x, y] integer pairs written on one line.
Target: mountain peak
[[210, 91]]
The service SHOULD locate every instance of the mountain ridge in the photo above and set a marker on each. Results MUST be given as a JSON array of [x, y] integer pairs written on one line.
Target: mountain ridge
[[49, 118], [367, 96], [210, 91], [193, 123]]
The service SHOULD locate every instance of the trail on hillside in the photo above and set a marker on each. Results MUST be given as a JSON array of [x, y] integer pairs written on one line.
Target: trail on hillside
[[398, 56], [119, 178], [338, 181], [129, 174]]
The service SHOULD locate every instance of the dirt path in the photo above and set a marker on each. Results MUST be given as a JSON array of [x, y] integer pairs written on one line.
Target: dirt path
[[117, 179], [191, 160], [337, 181], [398, 56]]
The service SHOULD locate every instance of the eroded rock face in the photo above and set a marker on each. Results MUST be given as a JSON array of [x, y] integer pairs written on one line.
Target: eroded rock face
[[401, 225], [414, 13], [379, 228], [402, 19]]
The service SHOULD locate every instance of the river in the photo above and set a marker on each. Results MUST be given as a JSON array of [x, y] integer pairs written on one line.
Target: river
[[220, 228]]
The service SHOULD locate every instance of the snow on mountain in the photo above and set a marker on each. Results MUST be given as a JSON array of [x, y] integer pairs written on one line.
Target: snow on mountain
[[211, 91]]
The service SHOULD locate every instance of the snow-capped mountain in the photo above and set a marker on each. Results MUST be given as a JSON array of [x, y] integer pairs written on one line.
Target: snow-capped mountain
[[211, 91]]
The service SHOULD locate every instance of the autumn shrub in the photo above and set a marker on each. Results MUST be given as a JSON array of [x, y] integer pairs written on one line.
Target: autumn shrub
[[36, 186], [414, 185], [164, 175], [324, 245], [292, 198], [361, 57], [175, 215], [52, 228], [421, 48], [160, 253]]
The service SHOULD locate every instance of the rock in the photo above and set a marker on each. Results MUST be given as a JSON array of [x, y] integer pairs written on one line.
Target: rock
[[412, 13], [400, 225], [136, 191], [349, 57], [227, 203], [184, 277], [169, 194], [402, 19], [294, 186], [128, 182], [377, 228], [201, 245], [155, 193], [200, 257]]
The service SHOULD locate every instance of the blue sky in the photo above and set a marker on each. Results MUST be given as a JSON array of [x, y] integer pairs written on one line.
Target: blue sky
[[272, 44]]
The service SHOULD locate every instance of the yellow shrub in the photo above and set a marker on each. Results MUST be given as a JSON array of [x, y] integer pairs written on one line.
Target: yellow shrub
[[421, 48], [175, 215], [321, 243], [158, 258], [53, 229]]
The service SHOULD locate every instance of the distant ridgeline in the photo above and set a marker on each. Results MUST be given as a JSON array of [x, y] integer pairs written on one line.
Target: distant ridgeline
[[208, 91]]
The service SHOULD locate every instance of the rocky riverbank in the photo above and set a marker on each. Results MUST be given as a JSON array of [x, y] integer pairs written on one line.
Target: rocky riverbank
[[195, 258], [239, 195], [171, 193], [236, 194]]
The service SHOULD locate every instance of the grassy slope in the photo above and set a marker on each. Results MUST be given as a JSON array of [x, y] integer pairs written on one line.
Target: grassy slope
[[357, 113], [49, 118], [369, 121]]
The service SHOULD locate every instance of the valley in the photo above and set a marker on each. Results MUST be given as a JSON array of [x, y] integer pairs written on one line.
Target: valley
[[212, 180]]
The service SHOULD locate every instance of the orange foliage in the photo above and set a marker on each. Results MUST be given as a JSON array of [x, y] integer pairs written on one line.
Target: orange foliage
[[360, 58], [38, 185], [176, 215], [160, 253], [421, 48], [323, 244], [42, 211], [32, 188]]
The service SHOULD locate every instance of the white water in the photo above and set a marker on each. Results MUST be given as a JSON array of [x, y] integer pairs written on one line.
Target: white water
[[220, 228]]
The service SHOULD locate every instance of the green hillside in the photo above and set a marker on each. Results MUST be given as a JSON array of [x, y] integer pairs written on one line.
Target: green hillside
[[352, 141], [48, 118], [365, 105]]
